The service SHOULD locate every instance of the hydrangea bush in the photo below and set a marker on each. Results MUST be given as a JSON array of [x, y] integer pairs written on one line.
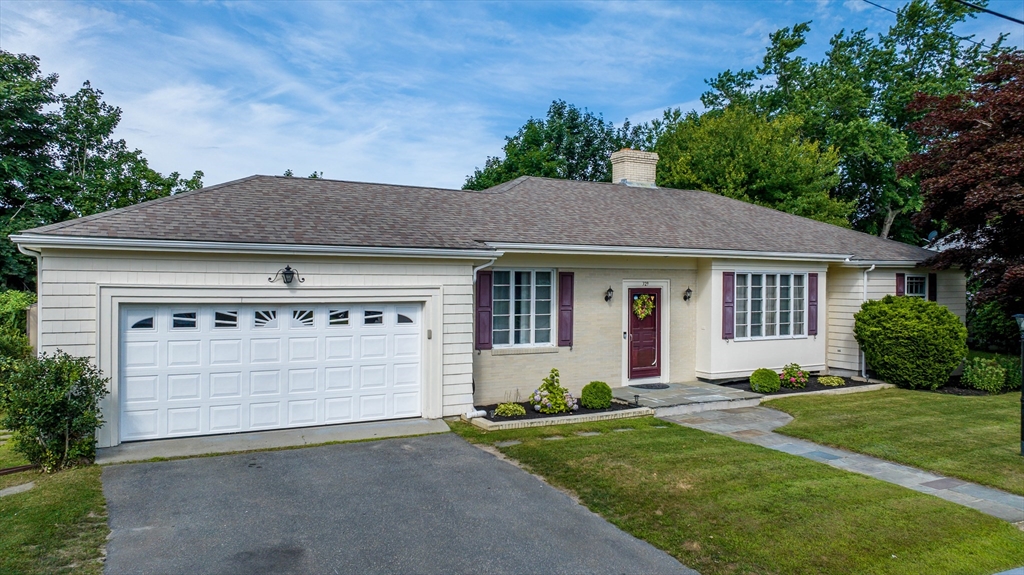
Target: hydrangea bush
[[551, 397], [793, 376]]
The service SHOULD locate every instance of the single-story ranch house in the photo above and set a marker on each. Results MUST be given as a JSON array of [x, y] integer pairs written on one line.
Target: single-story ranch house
[[273, 302]]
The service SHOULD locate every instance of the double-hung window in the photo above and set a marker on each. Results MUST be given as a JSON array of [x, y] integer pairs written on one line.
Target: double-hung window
[[770, 305], [522, 308], [917, 286]]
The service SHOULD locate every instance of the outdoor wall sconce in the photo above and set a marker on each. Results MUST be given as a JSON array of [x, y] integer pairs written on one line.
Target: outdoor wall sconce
[[608, 294], [287, 274], [687, 294]]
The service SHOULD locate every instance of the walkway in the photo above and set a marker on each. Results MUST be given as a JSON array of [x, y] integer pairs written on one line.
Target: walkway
[[689, 397], [756, 424]]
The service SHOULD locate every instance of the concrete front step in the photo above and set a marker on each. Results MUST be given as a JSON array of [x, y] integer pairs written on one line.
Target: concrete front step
[[697, 407]]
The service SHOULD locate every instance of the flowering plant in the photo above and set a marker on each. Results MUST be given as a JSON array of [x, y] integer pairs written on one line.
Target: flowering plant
[[551, 397], [643, 306], [793, 376]]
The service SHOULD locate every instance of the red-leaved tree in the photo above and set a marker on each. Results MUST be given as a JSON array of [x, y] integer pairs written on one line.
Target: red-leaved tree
[[971, 171]]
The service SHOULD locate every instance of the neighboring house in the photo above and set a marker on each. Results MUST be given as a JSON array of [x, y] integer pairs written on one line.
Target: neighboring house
[[420, 302]]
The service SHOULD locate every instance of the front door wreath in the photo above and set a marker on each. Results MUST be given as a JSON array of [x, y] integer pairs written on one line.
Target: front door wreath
[[643, 306]]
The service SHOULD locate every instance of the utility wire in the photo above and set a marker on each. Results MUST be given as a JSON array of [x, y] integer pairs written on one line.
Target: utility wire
[[982, 44], [992, 12]]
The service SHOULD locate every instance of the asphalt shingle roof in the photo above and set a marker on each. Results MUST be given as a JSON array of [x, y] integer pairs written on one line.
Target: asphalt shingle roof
[[280, 210]]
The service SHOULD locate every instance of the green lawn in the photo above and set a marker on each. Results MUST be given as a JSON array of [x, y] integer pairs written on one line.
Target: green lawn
[[976, 438], [722, 506], [59, 526]]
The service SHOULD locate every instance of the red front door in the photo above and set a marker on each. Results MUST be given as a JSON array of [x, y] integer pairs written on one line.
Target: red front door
[[644, 336]]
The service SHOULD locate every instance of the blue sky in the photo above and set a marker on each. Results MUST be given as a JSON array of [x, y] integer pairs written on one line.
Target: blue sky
[[411, 93]]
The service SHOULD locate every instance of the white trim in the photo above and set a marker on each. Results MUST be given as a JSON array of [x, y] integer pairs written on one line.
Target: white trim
[[644, 251], [882, 263], [665, 320], [33, 240], [110, 297]]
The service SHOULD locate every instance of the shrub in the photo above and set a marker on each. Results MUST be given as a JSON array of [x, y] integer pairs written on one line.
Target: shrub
[[551, 397], [13, 304], [764, 380], [910, 342], [510, 410], [596, 395], [14, 345], [793, 376], [1012, 366], [984, 374], [51, 404], [831, 381]]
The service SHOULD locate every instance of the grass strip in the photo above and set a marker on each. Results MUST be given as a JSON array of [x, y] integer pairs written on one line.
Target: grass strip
[[724, 507], [976, 438]]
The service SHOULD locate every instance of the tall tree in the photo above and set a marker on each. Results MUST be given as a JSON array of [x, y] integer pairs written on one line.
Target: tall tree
[[570, 144], [855, 100], [742, 155], [971, 172], [59, 160]]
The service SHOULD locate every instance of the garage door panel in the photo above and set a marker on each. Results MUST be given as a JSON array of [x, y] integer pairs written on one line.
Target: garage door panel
[[184, 387], [235, 368], [226, 352], [302, 380], [225, 385], [141, 388]]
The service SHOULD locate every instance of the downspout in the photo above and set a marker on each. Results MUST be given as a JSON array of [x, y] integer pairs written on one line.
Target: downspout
[[863, 362], [39, 303], [487, 265]]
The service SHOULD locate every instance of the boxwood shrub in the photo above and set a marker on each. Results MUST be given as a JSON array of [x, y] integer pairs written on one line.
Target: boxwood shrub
[[596, 395], [984, 374], [910, 342], [764, 380]]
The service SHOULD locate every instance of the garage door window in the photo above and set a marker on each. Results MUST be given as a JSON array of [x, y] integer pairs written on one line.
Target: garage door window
[[303, 318], [265, 319], [141, 319], [184, 320], [225, 319], [337, 317], [373, 317]]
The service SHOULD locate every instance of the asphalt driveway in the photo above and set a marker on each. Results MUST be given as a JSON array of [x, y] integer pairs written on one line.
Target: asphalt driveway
[[431, 504]]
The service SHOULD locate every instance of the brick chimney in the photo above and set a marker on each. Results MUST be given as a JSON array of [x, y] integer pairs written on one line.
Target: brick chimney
[[634, 168]]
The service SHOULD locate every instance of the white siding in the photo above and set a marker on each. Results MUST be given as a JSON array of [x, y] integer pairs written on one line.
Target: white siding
[[69, 283], [845, 295]]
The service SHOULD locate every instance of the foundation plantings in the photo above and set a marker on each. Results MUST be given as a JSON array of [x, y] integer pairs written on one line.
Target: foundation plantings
[[793, 376], [510, 410], [551, 397], [831, 381], [596, 395], [764, 380]]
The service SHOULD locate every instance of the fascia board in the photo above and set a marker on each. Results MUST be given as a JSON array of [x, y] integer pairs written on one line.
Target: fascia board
[[33, 241], [638, 251]]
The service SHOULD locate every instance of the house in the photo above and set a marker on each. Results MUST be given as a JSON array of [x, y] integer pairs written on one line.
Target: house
[[272, 302]]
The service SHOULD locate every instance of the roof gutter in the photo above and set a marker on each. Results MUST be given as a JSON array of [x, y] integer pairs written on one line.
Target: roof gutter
[[33, 242], [642, 251], [882, 263]]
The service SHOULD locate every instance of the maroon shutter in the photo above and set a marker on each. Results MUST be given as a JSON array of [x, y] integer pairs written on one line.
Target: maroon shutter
[[901, 284], [565, 293], [728, 304], [812, 304], [933, 287], [484, 295]]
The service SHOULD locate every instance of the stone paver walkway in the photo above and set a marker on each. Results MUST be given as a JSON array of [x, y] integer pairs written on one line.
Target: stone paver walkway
[[756, 424], [687, 397]]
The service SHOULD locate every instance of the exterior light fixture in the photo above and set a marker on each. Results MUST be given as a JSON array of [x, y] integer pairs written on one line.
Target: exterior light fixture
[[608, 294], [287, 275], [687, 294], [1020, 325]]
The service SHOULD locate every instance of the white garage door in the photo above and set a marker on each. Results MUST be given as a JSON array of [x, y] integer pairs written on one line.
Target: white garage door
[[198, 370]]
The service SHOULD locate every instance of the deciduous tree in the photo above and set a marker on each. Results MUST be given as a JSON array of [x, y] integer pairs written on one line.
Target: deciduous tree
[[971, 173]]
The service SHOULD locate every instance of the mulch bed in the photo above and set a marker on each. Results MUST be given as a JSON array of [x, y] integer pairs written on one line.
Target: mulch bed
[[812, 385], [952, 387], [531, 414]]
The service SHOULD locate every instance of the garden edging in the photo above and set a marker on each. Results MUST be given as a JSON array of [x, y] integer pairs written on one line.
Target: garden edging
[[836, 391], [488, 425]]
